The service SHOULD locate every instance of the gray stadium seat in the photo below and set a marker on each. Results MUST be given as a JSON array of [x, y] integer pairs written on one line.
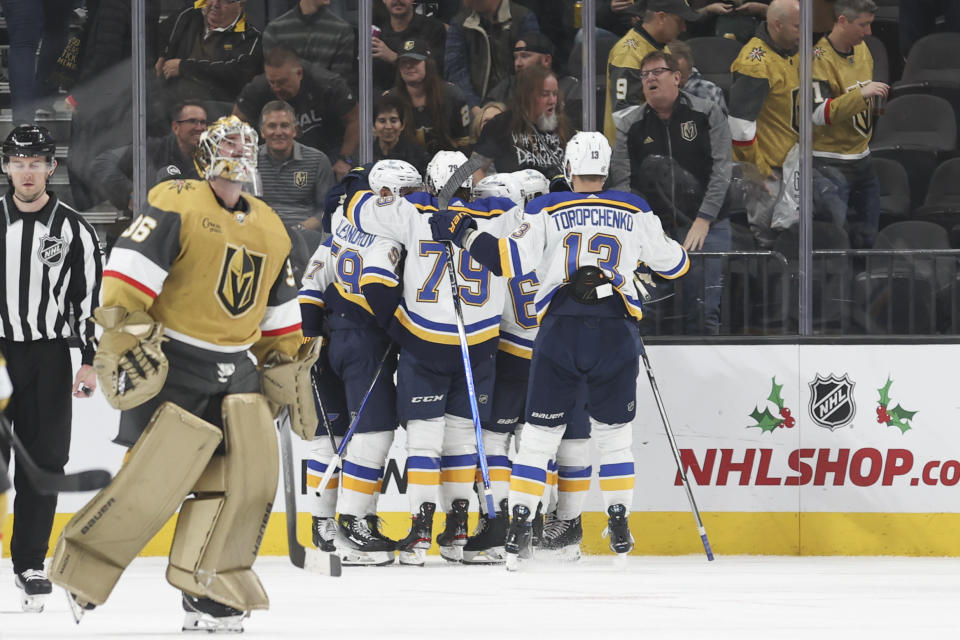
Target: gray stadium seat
[[894, 190], [713, 56], [881, 60], [933, 67], [942, 204]]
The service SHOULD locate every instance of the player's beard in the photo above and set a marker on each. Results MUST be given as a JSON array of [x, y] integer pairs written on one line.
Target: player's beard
[[547, 121]]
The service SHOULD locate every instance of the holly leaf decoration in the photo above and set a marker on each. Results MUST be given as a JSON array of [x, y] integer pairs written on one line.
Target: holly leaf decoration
[[774, 396], [766, 421], [900, 418], [884, 392]]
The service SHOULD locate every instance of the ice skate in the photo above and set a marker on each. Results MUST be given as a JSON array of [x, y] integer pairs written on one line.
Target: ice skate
[[324, 531], [357, 545], [537, 525], [204, 614], [34, 588], [518, 544], [618, 528], [485, 546], [454, 535], [561, 538], [412, 549]]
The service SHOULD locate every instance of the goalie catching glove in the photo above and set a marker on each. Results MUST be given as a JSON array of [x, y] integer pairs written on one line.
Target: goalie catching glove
[[129, 362], [287, 383]]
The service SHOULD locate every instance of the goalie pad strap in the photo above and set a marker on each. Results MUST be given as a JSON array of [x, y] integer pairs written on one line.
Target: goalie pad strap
[[107, 534]]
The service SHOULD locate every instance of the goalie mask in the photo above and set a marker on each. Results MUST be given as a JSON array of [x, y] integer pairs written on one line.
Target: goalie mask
[[587, 154], [499, 185], [443, 165], [533, 184], [397, 176], [228, 150]]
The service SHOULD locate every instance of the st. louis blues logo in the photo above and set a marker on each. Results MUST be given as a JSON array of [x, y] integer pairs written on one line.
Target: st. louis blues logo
[[831, 401]]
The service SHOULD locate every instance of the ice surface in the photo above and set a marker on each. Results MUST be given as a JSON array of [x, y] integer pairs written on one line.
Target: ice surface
[[652, 597]]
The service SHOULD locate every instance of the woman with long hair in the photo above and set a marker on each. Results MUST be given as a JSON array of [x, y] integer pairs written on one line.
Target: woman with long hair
[[533, 132], [440, 114]]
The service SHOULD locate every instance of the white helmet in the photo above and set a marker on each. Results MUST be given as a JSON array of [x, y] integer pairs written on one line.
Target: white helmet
[[533, 184], [228, 149], [499, 185], [442, 167], [588, 154], [398, 176]]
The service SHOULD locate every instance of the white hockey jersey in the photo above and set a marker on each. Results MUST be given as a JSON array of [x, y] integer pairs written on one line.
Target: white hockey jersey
[[612, 230], [425, 320]]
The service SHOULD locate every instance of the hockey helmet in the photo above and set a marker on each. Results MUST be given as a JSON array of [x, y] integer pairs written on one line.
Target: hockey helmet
[[29, 141], [588, 154], [398, 176], [499, 185], [228, 149], [533, 184], [443, 165]]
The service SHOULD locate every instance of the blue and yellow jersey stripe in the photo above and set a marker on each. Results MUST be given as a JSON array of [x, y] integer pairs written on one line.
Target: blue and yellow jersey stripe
[[376, 275], [515, 345], [443, 333]]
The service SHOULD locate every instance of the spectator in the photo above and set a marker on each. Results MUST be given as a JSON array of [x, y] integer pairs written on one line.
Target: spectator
[[663, 21], [488, 112], [32, 24], [479, 42], [737, 20], [295, 179], [317, 35], [533, 133], [690, 79], [403, 24], [169, 157], [211, 54], [762, 104], [536, 49], [390, 138], [326, 111], [441, 117], [677, 150], [919, 18], [843, 119]]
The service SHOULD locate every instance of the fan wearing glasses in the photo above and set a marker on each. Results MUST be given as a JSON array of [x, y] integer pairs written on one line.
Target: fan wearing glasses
[[168, 158]]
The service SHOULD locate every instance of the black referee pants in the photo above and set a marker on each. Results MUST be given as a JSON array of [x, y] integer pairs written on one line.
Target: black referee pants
[[40, 410]]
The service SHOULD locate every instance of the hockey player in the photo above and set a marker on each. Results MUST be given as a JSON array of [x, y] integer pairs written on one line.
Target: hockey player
[[356, 262], [199, 282], [431, 386], [580, 243]]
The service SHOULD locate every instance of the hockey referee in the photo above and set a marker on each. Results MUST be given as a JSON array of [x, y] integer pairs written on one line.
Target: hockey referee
[[50, 274]]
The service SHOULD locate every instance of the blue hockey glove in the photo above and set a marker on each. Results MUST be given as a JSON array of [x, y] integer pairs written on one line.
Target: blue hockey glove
[[451, 226]]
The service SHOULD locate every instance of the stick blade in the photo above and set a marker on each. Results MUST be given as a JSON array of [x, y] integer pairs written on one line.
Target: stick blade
[[324, 563]]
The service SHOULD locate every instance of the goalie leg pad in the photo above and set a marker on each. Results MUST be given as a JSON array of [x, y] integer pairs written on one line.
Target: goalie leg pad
[[289, 383], [220, 530], [107, 534]]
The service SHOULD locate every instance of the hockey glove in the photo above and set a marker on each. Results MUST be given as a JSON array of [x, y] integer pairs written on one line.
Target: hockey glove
[[451, 226], [129, 362], [651, 287], [287, 381], [559, 183]]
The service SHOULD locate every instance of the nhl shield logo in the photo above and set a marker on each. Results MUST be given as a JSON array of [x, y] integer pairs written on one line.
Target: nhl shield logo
[[831, 401], [300, 178], [51, 250], [688, 130], [239, 279]]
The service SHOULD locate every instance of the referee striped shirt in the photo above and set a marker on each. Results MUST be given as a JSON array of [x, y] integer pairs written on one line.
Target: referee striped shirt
[[50, 272]]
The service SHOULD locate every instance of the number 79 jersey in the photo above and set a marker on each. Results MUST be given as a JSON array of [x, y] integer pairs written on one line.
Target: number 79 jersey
[[425, 320], [612, 230]]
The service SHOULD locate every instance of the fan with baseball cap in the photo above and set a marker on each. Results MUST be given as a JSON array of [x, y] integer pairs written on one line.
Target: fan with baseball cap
[[414, 49]]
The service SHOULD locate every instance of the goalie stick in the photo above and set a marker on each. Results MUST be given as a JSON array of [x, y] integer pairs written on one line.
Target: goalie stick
[[443, 198], [49, 482], [676, 453], [301, 557]]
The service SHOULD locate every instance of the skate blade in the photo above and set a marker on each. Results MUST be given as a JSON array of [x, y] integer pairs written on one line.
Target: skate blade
[[196, 621], [355, 558], [77, 608], [513, 561], [414, 558], [32, 604], [569, 553], [452, 554], [494, 555], [620, 561]]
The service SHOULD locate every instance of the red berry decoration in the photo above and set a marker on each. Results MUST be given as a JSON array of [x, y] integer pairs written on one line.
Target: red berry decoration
[[790, 422], [880, 410], [785, 412]]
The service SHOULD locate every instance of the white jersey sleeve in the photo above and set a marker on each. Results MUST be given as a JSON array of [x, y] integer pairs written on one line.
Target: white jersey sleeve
[[318, 275]]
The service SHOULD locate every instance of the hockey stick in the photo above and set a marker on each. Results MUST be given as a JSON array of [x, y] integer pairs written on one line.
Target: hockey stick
[[338, 455], [48, 482], [443, 199], [676, 453], [301, 557]]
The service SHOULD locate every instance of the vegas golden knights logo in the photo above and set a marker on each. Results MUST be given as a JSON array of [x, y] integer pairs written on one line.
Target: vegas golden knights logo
[[239, 279], [300, 178]]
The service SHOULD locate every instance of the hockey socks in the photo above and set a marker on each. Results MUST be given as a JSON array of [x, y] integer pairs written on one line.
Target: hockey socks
[[538, 445], [573, 481], [362, 473], [320, 455], [424, 441], [614, 442]]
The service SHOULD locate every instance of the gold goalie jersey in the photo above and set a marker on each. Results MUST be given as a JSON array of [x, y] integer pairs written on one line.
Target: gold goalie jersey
[[763, 104], [842, 117], [217, 279]]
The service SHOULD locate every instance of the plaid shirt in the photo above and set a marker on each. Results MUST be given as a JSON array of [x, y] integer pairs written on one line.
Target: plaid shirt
[[705, 89]]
